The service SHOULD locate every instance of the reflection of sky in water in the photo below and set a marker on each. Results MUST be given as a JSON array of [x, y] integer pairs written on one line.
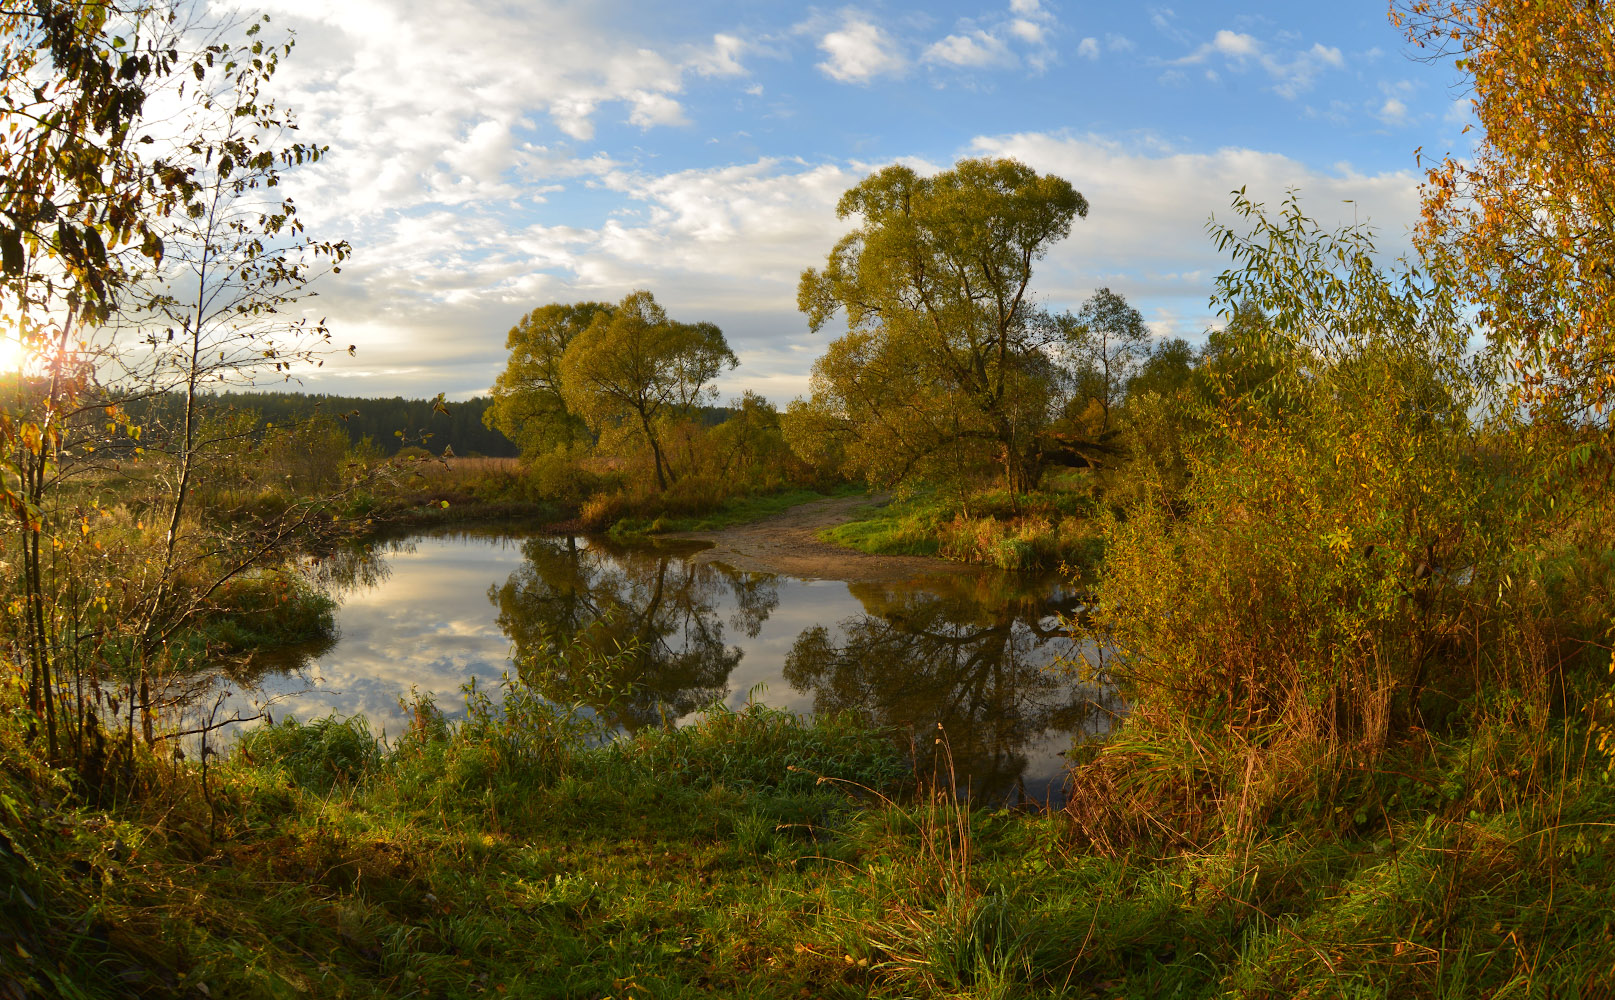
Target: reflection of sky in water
[[429, 624]]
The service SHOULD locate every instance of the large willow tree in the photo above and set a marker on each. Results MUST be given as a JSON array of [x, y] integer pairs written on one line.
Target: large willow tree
[[633, 365], [941, 371]]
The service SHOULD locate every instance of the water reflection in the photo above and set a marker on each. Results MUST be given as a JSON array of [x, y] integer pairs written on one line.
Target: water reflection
[[972, 654], [652, 617], [357, 567], [965, 648], [970, 650]]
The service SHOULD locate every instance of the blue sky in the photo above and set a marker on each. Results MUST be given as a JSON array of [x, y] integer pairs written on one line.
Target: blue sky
[[487, 158]]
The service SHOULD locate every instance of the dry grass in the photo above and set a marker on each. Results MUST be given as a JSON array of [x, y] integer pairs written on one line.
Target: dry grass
[[462, 467]]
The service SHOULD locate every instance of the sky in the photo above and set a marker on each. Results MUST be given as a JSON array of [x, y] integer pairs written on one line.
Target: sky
[[490, 157]]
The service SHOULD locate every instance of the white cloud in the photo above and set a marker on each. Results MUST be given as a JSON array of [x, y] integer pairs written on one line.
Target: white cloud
[[1292, 74], [859, 51], [1235, 45], [722, 59], [1088, 48], [1393, 112], [1024, 37], [727, 243], [652, 109], [426, 101], [1165, 21], [1027, 31], [975, 50]]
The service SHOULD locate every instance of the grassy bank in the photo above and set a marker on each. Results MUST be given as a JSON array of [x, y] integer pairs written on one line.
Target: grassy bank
[[519, 858], [1036, 531]]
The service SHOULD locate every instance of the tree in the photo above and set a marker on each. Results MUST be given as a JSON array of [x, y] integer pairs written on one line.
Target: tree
[[128, 218], [941, 353], [528, 406], [1107, 340], [635, 365], [216, 314], [1526, 223], [76, 199], [1166, 370]]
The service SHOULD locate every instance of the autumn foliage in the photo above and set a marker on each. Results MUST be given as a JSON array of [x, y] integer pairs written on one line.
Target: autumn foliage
[[1526, 224]]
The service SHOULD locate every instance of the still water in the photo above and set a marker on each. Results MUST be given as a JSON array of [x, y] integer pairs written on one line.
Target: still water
[[979, 652]]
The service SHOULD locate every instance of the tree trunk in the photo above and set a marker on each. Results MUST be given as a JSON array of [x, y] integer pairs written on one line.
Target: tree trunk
[[655, 450]]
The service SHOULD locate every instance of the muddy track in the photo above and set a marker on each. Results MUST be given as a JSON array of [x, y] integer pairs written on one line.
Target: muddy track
[[788, 543]]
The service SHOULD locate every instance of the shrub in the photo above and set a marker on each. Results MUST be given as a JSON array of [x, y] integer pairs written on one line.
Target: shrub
[[560, 477], [271, 609], [319, 755], [760, 747], [603, 510], [1351, 553]]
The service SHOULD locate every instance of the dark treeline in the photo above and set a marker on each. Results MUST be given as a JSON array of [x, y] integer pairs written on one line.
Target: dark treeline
[[390, 423]]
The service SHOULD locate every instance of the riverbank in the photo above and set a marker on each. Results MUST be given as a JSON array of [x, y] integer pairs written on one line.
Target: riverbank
[[1051, 530], [790, 542], [713, 861]]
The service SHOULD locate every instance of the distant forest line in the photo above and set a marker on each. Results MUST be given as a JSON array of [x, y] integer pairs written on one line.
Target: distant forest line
[[390, 422]]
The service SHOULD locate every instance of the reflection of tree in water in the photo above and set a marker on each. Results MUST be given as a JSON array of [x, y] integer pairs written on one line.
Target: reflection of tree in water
[[357, 566], [970, 659], [651, 603]]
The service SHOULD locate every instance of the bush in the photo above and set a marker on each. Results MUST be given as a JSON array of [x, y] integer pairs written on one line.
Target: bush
[[1352, 559], [270, 609], [319, 755], [603, 510], [559, 477], [760, 747]]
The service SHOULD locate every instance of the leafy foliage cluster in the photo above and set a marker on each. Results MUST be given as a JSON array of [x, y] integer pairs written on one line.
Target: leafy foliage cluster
[[948, 370], [1523, 224], [611, 406]]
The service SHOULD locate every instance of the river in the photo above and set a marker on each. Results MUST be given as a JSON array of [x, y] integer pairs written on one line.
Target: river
[[977, 651]]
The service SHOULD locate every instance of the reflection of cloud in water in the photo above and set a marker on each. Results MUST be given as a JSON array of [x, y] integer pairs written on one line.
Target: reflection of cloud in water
[[425, 625]]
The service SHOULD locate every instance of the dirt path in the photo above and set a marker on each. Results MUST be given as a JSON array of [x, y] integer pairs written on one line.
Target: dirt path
[[787, 543]]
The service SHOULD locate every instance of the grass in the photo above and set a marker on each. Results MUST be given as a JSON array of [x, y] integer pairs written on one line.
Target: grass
[[1039, 531], [531, 860], [891, 529], [435, 491]]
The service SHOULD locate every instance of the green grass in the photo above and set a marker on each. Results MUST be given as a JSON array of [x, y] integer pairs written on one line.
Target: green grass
[[893, 529], [730, 512], [1041, 531], [514, 855]]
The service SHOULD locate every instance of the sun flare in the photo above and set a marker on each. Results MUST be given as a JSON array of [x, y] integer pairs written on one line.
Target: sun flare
[[10, 354]]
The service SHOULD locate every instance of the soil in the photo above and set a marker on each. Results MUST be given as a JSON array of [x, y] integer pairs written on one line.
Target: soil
[[788, 543]]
